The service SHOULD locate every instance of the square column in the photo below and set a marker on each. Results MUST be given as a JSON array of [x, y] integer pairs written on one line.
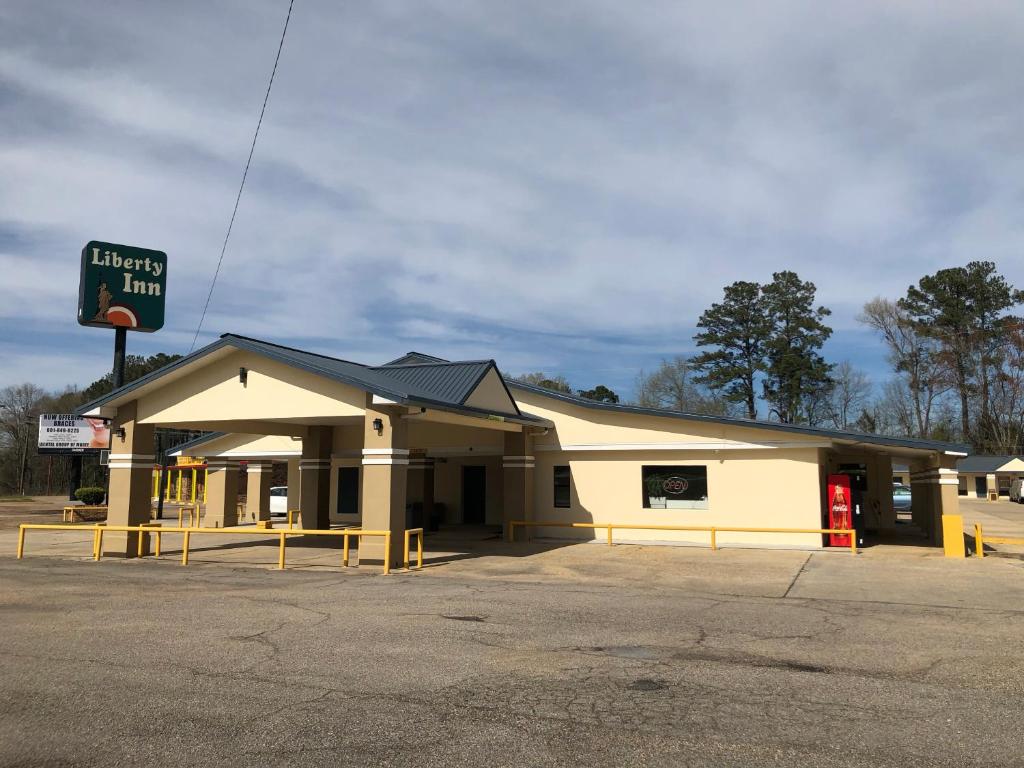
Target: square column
[[257, 489], [221, 494], [518, 467], [131, 480], [294, 484], [935, 487], [421, 487], [315, 472], [385, 470]]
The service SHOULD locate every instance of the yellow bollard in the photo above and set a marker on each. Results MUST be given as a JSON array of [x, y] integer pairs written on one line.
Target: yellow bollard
[[139, 547], [156, 545], [714, 540], [21, 542], [99, 543], [979, 544], [344, 550], [387, 553], [405, 551], [853, 543], [419, 550], [280, 557], [609, 535], [184, 548]]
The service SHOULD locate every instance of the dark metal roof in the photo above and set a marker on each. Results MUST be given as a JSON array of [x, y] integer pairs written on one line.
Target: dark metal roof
[[439, 390], [413, 358], [902, 442], [452, 382], [983, 463]]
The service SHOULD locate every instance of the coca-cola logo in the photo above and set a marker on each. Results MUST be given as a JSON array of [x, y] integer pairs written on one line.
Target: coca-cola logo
[[675, 485]]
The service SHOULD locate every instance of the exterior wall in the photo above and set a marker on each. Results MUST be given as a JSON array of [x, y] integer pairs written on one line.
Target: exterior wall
[[775, 489], [238, 445], [273, 391], [490, 395], [448, 486], [576, 425]]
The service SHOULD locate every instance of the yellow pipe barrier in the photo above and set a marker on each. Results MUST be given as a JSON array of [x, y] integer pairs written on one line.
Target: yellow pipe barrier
[[714, 530], [419, 547], [291, 518], [980, 540], [282, 534]]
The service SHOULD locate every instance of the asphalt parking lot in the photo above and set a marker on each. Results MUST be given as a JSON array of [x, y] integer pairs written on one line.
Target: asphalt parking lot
[[532, 655]]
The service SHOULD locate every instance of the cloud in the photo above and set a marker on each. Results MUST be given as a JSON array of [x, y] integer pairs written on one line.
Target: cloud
[[561, 186]]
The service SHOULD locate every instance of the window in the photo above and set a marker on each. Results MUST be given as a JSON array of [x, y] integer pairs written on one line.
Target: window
[[563, 478], [675, 487]]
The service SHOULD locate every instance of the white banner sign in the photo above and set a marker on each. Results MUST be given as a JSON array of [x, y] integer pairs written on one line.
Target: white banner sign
[[67, 433]]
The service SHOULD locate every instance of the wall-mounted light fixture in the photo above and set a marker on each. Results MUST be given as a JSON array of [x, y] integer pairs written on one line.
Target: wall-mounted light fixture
[[378, 424], [243, 376], [120, 433]]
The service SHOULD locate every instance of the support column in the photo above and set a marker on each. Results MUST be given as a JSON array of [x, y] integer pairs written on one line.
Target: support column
[[294, 484], [385, 471], [935, 488], [886, 512], [315, 466], [257, 489], [131, 471], [221, 494], [517, 466], [421, 487]]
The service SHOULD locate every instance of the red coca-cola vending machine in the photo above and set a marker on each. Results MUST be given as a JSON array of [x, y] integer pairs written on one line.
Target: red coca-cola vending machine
[[840, 509]]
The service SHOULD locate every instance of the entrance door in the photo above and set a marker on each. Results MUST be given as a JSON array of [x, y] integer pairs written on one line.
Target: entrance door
[[981, 487], [474, 495], [348, 490]]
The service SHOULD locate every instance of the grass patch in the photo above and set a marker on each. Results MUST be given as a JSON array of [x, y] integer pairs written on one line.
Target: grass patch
[[15, 498]]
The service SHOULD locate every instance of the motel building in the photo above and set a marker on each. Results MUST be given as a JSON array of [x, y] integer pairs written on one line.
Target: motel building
[[386, 446]]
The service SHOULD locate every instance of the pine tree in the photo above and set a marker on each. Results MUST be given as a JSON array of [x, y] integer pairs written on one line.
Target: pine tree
[[794, 369], [738, 331]]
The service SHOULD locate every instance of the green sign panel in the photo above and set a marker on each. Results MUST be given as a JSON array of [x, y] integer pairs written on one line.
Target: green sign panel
[[122, 286]]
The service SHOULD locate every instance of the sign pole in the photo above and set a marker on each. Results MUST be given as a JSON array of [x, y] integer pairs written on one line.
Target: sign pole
[[120, 341]]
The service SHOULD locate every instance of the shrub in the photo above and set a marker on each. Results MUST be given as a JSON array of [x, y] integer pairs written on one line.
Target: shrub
[[91, 496]]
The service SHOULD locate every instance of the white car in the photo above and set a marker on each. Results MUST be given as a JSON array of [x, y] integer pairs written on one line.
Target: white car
[[1017, 491], [279, 500]]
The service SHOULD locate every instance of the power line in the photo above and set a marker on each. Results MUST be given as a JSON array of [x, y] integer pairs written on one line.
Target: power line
[[245, 173]]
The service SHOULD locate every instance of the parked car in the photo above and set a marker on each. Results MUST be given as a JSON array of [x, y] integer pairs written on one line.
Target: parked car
[[1017, 491], [279, 500], [901, 498]]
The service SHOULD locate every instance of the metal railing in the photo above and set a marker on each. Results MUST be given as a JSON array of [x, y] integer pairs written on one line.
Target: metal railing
[[157, 531], [409, 532], [713, 530], [291, 517], [980, 540]]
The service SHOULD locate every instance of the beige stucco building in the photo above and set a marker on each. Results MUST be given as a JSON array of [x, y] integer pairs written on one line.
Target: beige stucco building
[[393, 445]]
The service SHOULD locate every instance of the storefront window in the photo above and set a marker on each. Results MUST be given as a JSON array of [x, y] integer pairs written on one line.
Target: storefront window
[[675, 487]]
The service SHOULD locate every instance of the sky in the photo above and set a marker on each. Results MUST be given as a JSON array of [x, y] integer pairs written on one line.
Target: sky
[[558, 186]]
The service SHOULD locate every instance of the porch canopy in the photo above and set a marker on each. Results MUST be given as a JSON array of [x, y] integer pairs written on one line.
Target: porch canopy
[[379, 417]]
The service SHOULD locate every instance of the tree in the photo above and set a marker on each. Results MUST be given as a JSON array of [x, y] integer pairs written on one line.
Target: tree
[[135, 367], [19, 409], [738, 330], [540, 379], [916, 358], [601, 393], [965, 310], [794, 368], [849, 397], [674, 387]]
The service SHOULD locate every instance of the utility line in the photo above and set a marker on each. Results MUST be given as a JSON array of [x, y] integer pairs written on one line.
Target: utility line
[[245, 173]]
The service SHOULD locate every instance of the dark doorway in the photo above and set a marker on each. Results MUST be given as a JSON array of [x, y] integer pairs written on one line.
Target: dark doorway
[[474, 495], [981, 487], [348, 490]]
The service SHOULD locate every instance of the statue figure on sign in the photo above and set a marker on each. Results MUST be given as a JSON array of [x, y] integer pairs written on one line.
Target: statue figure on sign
[[103, 297]]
